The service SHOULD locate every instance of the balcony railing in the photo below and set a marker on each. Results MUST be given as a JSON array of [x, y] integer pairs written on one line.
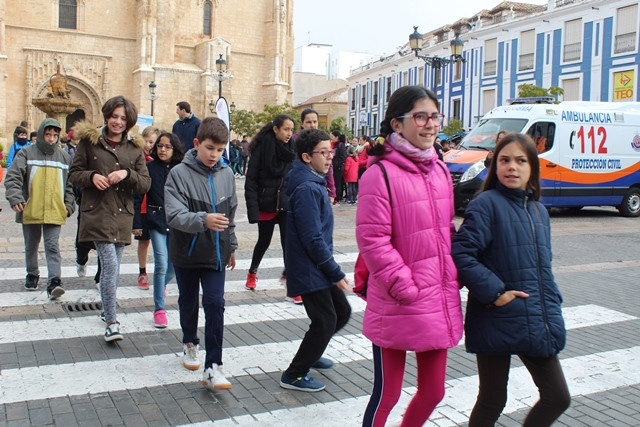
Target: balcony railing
[[490, 68], [525, 62], [625, 43], [572, 52]]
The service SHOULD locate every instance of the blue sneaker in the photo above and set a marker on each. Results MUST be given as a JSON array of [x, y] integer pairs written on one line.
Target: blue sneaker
[[323, 363], [305, 383]]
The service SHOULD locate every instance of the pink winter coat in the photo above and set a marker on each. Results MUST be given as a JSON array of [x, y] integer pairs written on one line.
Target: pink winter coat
[[413, 298]]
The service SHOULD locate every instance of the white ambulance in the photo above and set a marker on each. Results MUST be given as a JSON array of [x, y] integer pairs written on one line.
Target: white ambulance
[[589, 152]]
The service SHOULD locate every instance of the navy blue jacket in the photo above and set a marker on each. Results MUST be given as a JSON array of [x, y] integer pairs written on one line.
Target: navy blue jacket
[[186, 129], [504, 244], [155, 217], [309, 239]]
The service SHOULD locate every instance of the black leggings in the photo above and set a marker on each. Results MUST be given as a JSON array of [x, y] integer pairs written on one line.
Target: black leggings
[[492, 396], [265, 233]]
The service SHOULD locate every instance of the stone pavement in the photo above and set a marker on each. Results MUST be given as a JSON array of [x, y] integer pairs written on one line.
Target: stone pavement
[[56, 369]]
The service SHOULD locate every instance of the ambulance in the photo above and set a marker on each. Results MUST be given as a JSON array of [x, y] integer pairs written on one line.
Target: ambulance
[[589, 152]]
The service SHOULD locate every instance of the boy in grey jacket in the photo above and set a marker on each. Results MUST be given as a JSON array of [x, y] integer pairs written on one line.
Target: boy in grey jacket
[[200, 204]]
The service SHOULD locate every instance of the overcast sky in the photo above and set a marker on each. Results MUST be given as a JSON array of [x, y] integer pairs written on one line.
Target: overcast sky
[[377, 26]]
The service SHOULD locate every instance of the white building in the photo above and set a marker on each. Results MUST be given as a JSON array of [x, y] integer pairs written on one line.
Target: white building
[[312, 58], [589, 48]]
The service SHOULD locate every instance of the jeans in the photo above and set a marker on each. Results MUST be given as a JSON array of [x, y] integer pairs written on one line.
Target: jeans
[[212, 281], [163, 268]]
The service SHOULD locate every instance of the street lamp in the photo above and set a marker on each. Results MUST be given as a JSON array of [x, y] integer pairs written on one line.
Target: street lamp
[[212, 107], [221, 74], [437, 62], [152, 94]]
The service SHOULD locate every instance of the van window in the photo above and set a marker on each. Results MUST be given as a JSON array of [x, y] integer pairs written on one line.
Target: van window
[[542, 134], [483, 136]]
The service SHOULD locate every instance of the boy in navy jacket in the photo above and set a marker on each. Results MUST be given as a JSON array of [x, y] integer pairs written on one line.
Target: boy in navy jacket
[[312, 272]]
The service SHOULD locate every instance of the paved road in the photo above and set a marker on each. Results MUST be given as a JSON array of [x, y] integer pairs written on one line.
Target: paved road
[[57, 370]]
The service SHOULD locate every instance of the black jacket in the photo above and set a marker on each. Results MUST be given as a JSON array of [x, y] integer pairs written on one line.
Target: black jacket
[[270, 162]]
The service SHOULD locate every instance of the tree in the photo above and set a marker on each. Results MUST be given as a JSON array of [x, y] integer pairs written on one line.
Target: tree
[[243, 122], [454, 126], [340, 124], [528, 90], [271, 111]]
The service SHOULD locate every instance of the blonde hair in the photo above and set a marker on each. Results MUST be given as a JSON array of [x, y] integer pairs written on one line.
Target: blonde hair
[[150, 130]]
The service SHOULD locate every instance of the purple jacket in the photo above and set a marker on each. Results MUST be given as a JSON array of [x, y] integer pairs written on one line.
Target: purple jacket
[[413, 298]]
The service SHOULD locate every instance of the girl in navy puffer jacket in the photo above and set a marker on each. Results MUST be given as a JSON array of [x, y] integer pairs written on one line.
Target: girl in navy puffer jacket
[[503, 255]]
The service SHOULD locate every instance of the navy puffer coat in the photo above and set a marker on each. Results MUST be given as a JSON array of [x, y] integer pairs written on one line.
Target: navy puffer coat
[[504, 244]]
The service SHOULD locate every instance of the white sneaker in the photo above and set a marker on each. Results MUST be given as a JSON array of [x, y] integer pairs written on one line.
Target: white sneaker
[[81, 270], [191, 360], [112, 333], [213, 379]]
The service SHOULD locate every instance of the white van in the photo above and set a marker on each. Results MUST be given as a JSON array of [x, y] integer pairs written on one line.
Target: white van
[[589, 152]]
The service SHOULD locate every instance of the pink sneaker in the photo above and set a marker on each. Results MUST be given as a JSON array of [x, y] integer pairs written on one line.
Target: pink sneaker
[[160, 319], [143, 281]]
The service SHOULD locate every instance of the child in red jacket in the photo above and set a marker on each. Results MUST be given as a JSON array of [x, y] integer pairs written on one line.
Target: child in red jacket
[[351, 176]]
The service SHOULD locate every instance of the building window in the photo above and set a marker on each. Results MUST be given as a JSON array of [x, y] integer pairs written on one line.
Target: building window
[[375, 93], [456, 109], [405, 78], [571, 89], [353, 98], [374, 120], [437, 76], [488, 100], [363, 93], [67, 14], [527, 49], [457, 71], [572, 40], [490, 57], [206, 19], [388, 88], [420, 76], [626, 27]]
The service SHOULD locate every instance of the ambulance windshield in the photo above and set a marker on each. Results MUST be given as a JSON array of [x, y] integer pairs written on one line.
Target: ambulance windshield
[[483, 135]]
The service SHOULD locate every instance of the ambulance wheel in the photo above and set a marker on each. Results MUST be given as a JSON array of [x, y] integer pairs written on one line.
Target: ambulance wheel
[[630, 206]]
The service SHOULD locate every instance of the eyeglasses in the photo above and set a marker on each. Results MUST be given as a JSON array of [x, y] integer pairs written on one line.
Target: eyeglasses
[[165, 146], [421, 118], [325, 153]]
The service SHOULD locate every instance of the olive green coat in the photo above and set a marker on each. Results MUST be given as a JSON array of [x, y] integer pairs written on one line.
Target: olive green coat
[[107, 216]]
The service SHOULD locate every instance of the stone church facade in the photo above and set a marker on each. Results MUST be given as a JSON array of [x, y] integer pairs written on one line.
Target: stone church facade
[[117, 47]]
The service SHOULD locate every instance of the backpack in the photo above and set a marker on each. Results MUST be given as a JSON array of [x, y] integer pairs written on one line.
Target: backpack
[[360, 270]]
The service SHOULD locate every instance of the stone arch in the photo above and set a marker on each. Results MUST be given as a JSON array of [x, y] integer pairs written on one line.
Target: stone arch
[[81, 91]]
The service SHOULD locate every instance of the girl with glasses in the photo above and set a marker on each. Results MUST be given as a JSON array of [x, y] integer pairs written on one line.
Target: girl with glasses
[[404, 225], [165, 154]]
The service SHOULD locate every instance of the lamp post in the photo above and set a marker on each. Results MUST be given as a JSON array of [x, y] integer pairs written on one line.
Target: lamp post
[[437, 62], [221, 74], [152, 94], [212, 107]]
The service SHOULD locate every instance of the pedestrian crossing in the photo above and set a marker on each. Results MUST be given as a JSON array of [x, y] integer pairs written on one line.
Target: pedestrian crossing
[[53, 355]]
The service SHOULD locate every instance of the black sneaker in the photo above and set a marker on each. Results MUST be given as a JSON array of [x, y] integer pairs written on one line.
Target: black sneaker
[[32, 282], [54, 290]]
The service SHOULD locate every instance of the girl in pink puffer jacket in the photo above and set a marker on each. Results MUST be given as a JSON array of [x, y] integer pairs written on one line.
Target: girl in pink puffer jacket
[[404, 236]]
